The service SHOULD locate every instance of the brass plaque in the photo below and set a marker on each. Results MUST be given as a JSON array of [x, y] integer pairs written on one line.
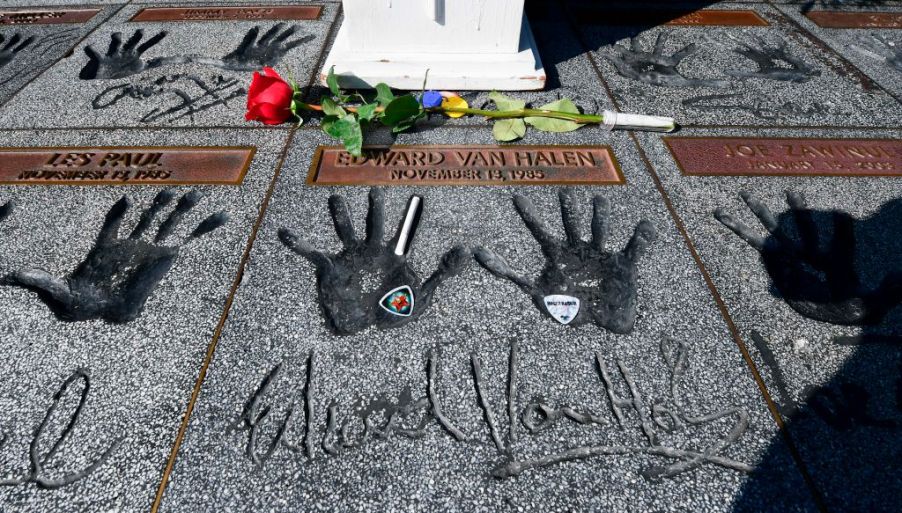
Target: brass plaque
[[759, 156], [466, 165], [125, 165], [223, 13], [672, 17], [839, 19], [45, 16]]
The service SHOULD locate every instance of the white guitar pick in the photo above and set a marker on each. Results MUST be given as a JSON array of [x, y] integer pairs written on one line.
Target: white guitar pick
[[562, 308]]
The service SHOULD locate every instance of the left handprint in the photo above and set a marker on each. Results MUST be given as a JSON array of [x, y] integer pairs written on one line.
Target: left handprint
[[15, 45], [119, 274], [122, 61], [5, 210]]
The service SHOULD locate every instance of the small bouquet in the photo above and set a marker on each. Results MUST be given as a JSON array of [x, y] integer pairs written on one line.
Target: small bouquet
[[273, 101]]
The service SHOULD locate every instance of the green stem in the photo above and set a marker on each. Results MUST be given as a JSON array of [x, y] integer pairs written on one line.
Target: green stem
[[523, 113]]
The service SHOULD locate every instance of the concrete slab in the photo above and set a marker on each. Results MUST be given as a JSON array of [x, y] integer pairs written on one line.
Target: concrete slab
[[261, 435], [28, 48], [831, 359], [167, 73], [877, 51], [773, 75], [99, 401]]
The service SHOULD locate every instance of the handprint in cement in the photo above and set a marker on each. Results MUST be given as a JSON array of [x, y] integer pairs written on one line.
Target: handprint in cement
[[253, 53], [12, 47], [816, 273], [655, 68], [119, 274], [774, 62], [367, 283], [582, 280]]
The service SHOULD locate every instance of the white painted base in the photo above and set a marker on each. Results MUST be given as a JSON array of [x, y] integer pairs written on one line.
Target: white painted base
[[522, 71]]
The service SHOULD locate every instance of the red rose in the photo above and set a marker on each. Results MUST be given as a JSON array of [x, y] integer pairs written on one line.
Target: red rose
[[269, 98]]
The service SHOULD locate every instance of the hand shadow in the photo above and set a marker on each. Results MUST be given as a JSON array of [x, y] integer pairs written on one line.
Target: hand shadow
[[834, 268]]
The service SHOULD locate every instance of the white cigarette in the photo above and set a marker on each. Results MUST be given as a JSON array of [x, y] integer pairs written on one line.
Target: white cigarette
[[404, 236]]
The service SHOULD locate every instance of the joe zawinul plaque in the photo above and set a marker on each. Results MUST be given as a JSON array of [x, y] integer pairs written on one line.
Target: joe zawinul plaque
[[762, 156]]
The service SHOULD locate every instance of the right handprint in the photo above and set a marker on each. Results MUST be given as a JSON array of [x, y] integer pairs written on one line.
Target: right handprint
[[816, 274], [582, 281]]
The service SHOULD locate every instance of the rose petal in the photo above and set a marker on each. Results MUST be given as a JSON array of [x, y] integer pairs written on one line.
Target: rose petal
[[269, 72], [431, 99], [272, 91], [455, 102], [269, 114]]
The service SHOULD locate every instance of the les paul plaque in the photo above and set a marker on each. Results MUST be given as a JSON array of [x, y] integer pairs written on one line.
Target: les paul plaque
[[125, 165]]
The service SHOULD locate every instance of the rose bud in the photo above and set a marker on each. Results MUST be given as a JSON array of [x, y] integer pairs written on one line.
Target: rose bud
[[269, 98]]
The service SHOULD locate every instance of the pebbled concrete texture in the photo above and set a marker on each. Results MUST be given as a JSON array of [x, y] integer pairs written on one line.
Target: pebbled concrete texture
[[28, 50], [277, 366], [836, 385], [878, 51], [276, 321], [195, 90], [698, 77], [142, 372]]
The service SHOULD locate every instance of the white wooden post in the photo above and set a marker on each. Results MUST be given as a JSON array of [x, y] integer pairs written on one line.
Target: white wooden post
[[464, 44]]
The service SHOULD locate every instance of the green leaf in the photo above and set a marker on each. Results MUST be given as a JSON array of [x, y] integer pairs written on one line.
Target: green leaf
[[347, 129], [506, 130], [367, 111], [330, 108], [332, 82], [408, 123], [384, 96], [555, 125], [506, 103], [402, 110]]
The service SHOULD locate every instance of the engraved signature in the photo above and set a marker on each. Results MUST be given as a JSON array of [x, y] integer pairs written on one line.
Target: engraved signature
[[38, 472], [410, 417], [190, 95], [881, 49], [759, 108]]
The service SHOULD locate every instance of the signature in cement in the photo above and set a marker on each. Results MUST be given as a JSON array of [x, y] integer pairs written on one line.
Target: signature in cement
[[38, 473], [759, 108], [185, 95], [411, 417]]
